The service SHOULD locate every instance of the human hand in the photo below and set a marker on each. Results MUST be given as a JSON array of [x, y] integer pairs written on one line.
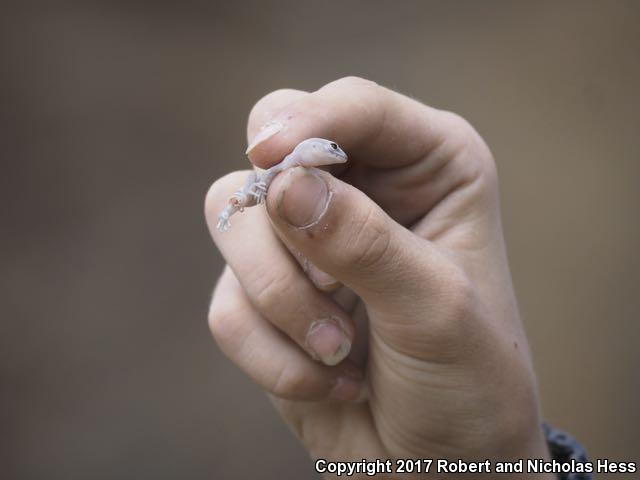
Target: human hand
[[375, 305]]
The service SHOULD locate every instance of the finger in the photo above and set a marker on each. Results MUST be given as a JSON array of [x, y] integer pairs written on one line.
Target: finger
[[269, 358], [267, 108], [273, 281], [347, 235], [374, 124]]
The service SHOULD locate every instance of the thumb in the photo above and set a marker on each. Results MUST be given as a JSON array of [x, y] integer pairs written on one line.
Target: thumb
[[346, 234]]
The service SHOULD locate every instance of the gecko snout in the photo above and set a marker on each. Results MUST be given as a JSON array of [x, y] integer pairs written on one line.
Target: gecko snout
[[336, 152]]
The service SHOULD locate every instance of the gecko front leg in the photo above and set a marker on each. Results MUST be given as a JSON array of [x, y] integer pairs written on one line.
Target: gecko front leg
[[258, 190]]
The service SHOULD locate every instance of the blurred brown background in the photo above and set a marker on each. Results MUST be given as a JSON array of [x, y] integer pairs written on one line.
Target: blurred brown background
[[115, 118]]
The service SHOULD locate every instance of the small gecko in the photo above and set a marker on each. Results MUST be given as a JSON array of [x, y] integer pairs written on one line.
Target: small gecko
[[312, 152]]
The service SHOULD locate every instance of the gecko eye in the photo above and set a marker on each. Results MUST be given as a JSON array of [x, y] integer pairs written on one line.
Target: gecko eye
[[334, 145]]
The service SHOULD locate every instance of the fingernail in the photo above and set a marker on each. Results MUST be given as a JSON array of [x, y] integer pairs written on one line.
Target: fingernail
[[348, 390], [327, 340], [267, 131], [350, 386], [304, 197]]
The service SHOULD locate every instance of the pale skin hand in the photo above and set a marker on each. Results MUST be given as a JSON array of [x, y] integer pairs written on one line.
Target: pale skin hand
[[404, 269]]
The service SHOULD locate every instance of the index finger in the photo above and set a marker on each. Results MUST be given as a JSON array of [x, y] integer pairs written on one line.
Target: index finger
[[373, 124]]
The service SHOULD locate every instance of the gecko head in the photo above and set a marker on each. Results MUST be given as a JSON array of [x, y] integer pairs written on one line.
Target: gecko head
[[322, 150], [333, 149]]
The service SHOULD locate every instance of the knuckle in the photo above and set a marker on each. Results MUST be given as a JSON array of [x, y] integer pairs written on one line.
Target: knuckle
[[355, 81], [269, 288], [369, 243], [368, 91], [367, 99], [223, 323], [477, 160], [459, 124], [289, 382], [462, 131]]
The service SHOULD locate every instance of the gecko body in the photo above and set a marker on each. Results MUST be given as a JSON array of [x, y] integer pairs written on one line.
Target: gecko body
[[312, 152]]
